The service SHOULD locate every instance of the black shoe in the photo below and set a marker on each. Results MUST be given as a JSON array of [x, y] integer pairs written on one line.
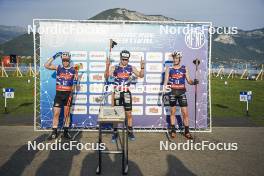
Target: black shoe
[[53, 135], [173, 133], [188, 136], [131, 136], [67, 135]]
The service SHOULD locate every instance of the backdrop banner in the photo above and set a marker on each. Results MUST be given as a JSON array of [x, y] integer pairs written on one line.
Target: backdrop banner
[[88, 42]]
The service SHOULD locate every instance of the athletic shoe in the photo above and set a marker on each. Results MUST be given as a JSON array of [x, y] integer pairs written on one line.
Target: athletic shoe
[[114, 137], [188, 136], [173, 133], [53, 135], [131, 136], [67, 135]]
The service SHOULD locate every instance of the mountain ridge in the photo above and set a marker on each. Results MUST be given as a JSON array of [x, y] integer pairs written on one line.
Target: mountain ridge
[[246, 46]]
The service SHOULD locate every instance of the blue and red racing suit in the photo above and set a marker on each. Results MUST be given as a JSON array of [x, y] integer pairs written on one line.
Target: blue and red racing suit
[[65, 78], [122, 75], [177, 78], [122, 95], [177, 82]]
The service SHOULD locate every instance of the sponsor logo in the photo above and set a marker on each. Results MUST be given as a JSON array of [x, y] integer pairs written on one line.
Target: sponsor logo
[[123, 75], [153, 99], [77, 109], [153, 88], [154, 67], [81, 88], [66, 76], [84, 65], [136, 56], [79, 55], [154, 56], [96, 88], [177, 75], [153, 78], [96, 77], [97, 55], [153, 110], [94, 99], [137, 110], [137, 99], [177, 86], [94, 109], [97, 66], [80, 99], [136, 88], [195, 38]]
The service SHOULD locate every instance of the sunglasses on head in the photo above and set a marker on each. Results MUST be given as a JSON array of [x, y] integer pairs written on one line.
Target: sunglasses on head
[[65, 54]]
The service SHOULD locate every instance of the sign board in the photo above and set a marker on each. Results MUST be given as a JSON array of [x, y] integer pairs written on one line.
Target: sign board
[[246, 96], [9, 92]]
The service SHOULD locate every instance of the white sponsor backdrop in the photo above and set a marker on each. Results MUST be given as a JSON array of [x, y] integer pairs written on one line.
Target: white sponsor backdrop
[[88, 42]]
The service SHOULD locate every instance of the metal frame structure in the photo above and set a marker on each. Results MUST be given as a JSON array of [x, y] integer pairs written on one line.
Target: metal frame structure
[[36, 40], [124, 147]]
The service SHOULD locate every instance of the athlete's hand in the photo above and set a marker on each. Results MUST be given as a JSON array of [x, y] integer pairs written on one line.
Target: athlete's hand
[[142, 63], [58, 54], [195, 81]]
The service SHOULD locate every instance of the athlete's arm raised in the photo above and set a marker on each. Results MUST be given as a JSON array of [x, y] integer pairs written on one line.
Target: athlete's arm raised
[[109, 70], [141, 72], [49, 65]]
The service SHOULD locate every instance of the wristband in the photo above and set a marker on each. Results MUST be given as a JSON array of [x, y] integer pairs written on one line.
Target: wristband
[[56, 55]]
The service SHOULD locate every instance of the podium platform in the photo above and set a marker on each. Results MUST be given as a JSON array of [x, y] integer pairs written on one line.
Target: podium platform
[[113, 114]]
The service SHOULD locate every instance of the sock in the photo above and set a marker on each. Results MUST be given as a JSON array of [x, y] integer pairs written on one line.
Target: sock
[[186, 129]]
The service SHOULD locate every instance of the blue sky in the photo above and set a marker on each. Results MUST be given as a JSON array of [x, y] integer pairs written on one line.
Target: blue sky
[[244, 14]]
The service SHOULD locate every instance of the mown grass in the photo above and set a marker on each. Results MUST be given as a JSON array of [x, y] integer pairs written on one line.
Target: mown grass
[[225, 98]]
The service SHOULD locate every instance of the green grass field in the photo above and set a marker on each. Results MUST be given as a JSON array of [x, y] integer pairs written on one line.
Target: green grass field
[[225, 98], [23, 102]]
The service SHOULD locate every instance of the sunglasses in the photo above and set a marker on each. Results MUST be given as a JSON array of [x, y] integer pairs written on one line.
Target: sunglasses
[[124, 59], [65, 60]]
